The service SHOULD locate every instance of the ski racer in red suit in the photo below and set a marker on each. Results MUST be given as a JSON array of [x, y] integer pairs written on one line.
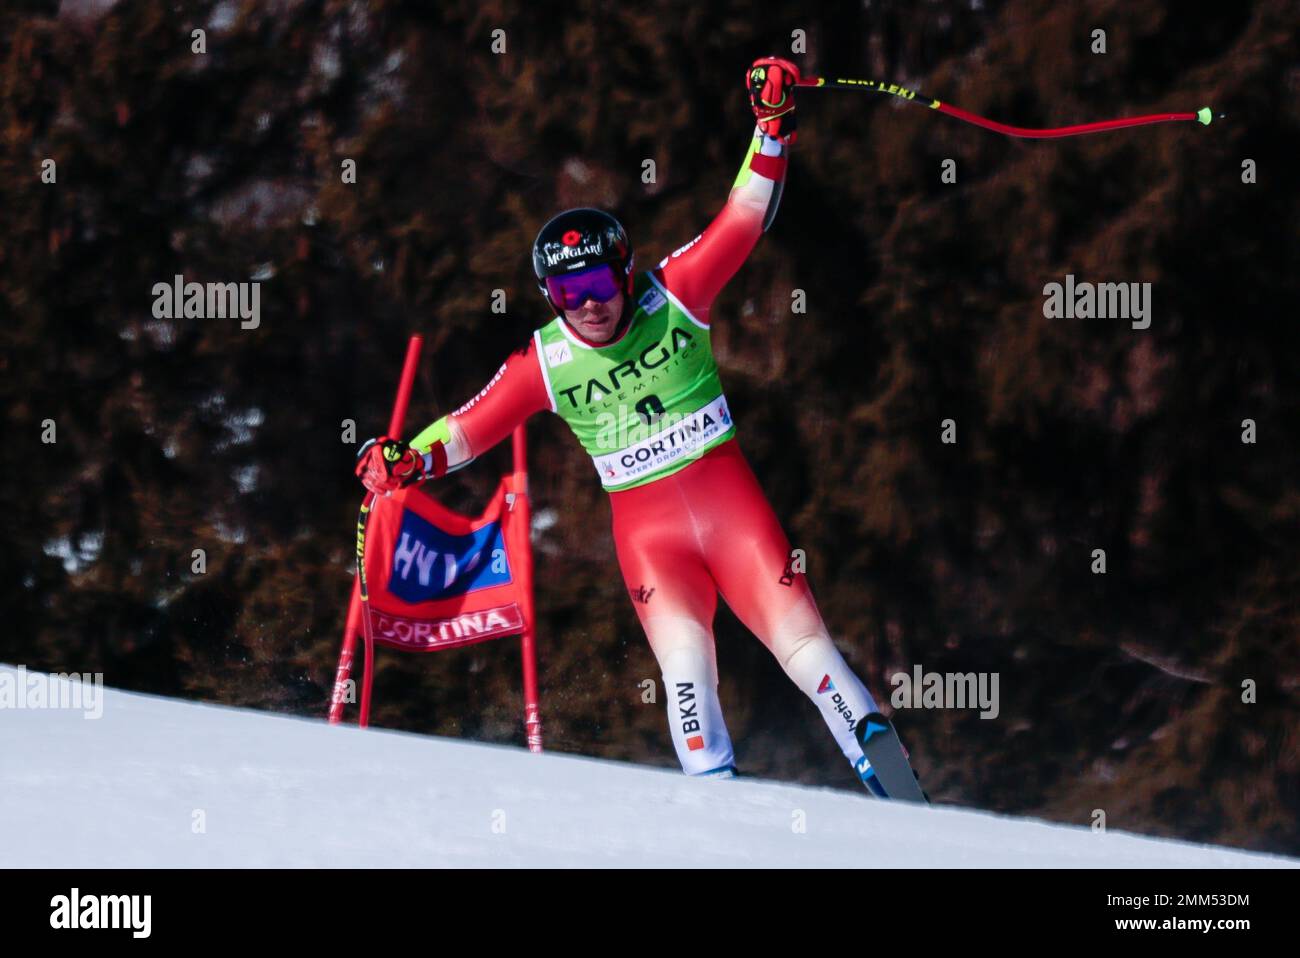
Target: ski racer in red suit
[[627, 363]]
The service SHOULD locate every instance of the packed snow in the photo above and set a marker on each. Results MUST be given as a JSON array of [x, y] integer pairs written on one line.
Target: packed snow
[[160, 782]]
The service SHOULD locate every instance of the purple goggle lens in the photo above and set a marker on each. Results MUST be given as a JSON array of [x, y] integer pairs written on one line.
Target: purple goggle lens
[[571, 290]]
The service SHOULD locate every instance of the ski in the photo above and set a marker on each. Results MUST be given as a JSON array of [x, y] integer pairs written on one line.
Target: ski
[[885, 769]]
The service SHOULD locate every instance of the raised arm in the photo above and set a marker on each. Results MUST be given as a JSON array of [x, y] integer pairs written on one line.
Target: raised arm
[[697, 272]]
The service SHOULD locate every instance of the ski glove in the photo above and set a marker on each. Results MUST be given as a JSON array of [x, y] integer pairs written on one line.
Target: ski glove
[[385, 464], [770, 82]]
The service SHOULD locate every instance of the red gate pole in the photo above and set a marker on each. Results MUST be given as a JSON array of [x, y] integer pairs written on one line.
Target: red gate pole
[[528, 643], [396, 423], [344, 670]]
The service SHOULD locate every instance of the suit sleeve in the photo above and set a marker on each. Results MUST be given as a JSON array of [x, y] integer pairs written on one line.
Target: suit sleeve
[[696, 273], [510, 397]]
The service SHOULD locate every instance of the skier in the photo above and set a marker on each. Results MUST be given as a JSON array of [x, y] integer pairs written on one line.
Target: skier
[[627, 363]]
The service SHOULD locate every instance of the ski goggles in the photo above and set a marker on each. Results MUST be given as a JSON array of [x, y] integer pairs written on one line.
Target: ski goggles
[[570, 290]]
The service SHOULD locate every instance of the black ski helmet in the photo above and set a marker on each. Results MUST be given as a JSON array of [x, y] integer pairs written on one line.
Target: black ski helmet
[[577, 239]]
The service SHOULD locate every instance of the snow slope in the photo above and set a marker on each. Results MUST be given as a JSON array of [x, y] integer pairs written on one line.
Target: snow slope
[[127, 788]]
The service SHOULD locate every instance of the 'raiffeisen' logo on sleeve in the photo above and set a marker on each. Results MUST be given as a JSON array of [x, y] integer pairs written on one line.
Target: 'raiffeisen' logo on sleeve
[[679, 251], [429, 563]]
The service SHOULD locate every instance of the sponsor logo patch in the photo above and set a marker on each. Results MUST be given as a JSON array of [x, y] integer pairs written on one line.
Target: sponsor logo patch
[[565, 254], [464, 629], [842, 707], [684, 437], [641, 594], [429, 563], [652, 300], [688, 716], [557, 354], [679, 251]]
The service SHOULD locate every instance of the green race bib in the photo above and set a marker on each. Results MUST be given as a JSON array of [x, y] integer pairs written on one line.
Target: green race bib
[[645, 406]]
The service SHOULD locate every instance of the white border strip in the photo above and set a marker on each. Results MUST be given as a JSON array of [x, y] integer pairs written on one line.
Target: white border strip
[[541, 364]]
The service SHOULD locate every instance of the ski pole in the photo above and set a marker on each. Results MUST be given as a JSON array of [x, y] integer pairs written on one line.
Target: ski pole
[[395, 424], [366, 626], [1203, 115]]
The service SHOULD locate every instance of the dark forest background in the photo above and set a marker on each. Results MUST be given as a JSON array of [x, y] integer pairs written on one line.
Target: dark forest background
[[1120, 691]]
